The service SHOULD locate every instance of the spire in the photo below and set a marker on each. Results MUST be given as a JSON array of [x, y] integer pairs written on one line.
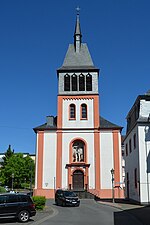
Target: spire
[[77, 33], [78, 56]]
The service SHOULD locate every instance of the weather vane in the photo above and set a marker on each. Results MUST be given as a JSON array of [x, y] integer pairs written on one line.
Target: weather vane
[[78, 10]]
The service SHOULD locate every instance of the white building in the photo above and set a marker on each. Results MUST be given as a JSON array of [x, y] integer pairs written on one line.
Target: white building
[[78, 148], [137, 150]]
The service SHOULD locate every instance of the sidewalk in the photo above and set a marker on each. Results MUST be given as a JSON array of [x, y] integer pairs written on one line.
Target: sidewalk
[[45, 214], [142, 213]]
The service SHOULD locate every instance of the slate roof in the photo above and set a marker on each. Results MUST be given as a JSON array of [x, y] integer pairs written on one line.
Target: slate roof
[[44, 127], [78, 60], [51, 124], [104, 124], [78, 55]]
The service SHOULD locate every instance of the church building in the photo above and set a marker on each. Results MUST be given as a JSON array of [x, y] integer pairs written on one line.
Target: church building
[[78, 149]]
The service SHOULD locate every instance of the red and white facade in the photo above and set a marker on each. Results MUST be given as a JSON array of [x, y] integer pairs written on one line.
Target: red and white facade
[[78, 148]]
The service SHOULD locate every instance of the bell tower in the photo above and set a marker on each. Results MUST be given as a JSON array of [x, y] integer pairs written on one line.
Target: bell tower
[[77, 79], [78, 97]]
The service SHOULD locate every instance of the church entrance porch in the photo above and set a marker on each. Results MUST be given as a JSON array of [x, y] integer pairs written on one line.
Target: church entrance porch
[[78, 180], [78, 166], [78, 176]]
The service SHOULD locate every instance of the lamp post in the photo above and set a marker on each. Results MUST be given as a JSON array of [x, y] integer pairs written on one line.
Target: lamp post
[[54, 185], [24, 183], [112, 180], [12, 181]]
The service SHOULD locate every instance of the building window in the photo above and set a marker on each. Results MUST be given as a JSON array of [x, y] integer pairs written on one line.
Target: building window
[[83, 111], [135, 178], [130, 146], [88, 82], [81, 82], [128, 123], [136, 112], [74, 82], [126, 149], [67, 83], [134, 141], [72, 113]]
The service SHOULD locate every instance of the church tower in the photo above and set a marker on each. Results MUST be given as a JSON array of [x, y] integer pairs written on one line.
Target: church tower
[[77, 149], [78, 112]]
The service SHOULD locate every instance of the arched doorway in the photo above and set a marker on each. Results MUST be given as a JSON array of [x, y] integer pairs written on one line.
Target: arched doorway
[[78, 180]]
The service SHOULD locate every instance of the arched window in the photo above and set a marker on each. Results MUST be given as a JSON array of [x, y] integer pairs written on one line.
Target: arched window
[[83, 111], [81, 82], [74, 82], [66, 82], [72, 113], [88, 82]]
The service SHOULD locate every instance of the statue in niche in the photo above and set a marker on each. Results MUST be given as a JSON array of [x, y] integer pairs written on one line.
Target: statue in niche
[[78, 153]]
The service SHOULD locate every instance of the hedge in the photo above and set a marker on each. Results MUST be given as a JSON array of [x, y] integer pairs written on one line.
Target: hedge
[[39, 202]]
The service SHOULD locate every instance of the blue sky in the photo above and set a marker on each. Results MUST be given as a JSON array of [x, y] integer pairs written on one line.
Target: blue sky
[[34, 37]]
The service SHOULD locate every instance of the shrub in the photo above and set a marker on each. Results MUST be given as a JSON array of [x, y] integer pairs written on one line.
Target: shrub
[[39, 202], [2, 190]]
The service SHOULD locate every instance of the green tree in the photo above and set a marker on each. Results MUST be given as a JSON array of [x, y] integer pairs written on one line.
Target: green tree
[[8, 154], [5, 158], [22, 169]]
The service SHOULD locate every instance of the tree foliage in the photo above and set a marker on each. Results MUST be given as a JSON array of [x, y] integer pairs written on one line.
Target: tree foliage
[[8, 154], [18, 168]]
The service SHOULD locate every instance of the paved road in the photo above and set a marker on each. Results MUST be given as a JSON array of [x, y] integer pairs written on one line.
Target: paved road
[[88, 213]]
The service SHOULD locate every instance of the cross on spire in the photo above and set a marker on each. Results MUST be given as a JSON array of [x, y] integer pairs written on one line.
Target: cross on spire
[[78, 10]]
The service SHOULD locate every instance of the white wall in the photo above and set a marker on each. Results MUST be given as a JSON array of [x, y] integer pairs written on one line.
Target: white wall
[[122, 163], [144, 151], [132, 162], [78, 123], [144, 108], [106, 158], [36, 161], [49, 160]]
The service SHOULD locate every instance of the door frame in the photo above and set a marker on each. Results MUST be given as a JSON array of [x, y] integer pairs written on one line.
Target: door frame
[[83, 178]]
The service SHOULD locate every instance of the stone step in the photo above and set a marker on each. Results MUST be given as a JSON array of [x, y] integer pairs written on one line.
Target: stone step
[[84, 194]]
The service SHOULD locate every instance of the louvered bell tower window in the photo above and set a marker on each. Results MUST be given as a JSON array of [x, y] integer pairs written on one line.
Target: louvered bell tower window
[[67, 83], [74, 82], [88, 82], [81, 82]]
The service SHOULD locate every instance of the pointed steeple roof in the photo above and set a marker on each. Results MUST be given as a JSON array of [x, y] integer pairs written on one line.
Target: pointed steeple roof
[[77, 34], [77, 27], [78, 56]]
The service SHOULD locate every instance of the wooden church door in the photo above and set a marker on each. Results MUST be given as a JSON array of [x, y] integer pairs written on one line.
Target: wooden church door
[[78, 180]]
